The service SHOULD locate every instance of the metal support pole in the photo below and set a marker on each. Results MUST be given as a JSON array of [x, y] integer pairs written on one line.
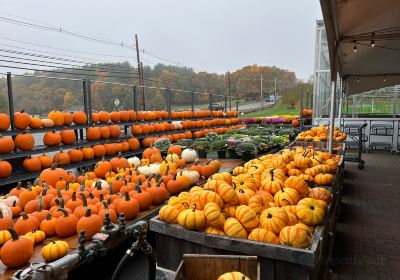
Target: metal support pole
[[226, 103], [168, 99], [301, 110], [237, 102], [353, 108], [10, 100], [85, 95], [340, 103], [332, 116], [261, 92], [89, 102], [229, 90], [135, 98], [192, 100], [210, 101], [396, 89]]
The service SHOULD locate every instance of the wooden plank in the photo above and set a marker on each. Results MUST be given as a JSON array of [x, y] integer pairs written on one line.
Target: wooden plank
[[305, 257], [193, 266], [226, 165]]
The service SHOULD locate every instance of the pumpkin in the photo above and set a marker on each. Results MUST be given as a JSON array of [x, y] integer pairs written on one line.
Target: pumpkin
[[80, 118], [75, 155], [244, 196], [27, 195], [210, 196], [175, 149], [101, 168], [6, 145], [93, 133], [5, 235], [169, 214], [61, 158], [247, 217], [294, 236], [55, 250], [45, 161], [310, 211], [128, 206], [68, 137], [192, 219], [258, 203], [321, 194], [214, 215], [51, 139], [35, 123], [134, 161], [57, 117], [324, 179], [228, 194], [89, 153], [4, 121], [47, 123], [48, 225], [298, 184], [104, 132], [274, 219], [5, 220], [98, 151], [40, 213], [17, 251], [68, 118], [24, 141], [244, 181], [52, 175], [90, 223], [134, 144], [36, 235], [119, 163], [286, 196], [142, 197], [233, 228], [211, 230], [26, 223], [5, 169], [65, 225], [21, 120], [112, 213], [9, 200], [234, 275], [115, 131], [263, 235], [158, 192]]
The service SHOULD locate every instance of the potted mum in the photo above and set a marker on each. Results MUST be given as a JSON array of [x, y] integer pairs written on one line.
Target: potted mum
[[247, 150], [202, 147], [163, 145], [232, 143], [220, 146]]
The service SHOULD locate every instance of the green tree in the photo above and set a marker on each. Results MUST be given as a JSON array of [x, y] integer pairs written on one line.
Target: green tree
[[292, 97]]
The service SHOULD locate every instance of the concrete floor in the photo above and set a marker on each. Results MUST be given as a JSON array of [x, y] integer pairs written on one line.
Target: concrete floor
[[368, 231]]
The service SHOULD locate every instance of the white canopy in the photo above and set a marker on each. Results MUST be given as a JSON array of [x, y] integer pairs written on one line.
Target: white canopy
[[354, 24]]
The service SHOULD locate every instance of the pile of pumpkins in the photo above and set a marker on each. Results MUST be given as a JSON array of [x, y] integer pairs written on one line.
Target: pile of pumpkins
[[278, 199], [320, 133], [62, 204]]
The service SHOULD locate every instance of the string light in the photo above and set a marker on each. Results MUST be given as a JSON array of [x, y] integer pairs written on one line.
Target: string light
[[384, 78], [372, 41], [355, 46], [358, 79]]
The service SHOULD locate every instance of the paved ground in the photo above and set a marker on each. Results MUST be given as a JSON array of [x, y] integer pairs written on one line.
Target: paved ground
[[368, 231]]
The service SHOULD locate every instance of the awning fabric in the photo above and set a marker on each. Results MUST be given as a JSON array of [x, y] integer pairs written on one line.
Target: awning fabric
[[369, 68]]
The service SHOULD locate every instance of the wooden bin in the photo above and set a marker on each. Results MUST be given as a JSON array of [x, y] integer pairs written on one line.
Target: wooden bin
[[206, 267]]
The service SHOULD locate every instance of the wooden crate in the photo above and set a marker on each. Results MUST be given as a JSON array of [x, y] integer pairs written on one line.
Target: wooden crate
[[276, 261], [206, 267]]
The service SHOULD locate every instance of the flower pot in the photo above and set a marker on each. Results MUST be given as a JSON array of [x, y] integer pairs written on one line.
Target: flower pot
[[221, 154], [202, 154], [247, 157], [232, 154]]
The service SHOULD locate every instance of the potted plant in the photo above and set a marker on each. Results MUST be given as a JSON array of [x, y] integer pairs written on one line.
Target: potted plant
[[202, 147], [212, 136], [232, 143], [220, 146], [247, 150], [163, 145], [184, 143]]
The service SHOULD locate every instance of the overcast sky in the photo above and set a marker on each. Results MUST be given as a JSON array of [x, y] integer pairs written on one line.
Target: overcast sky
[[211, 35]]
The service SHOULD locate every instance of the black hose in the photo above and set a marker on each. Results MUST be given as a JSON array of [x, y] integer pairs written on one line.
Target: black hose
[[119, 267], [152, 266]]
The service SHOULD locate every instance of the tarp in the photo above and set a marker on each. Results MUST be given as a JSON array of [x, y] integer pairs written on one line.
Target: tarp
[[369, 68]]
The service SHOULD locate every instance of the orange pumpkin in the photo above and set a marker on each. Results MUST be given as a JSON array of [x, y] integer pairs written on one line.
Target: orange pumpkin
[[80, 118], [68, 118], [24, 141], [61, 158], [6, 145], [52, 138], [4, 121], [68, 137], [21, 120], [57, 117]]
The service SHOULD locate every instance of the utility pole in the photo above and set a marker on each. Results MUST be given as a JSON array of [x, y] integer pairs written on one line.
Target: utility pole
[[275, 92], [140, 73], [261, 93], [144, 93], [229, 90]]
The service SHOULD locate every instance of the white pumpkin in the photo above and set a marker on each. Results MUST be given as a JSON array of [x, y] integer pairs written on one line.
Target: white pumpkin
[[178, 125], [193, 176], [5, 210], [189, 155], [150, 170], [134, 161], [103, 184], [9, 200]]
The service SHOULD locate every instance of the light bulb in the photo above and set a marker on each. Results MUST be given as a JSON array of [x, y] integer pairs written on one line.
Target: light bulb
[[355, 47]]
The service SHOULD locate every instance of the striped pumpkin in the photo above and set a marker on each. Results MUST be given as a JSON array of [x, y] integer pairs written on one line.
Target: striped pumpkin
[[244, 181], [298, 184], [224, 176], [192, 219], [274, 219], [179, 203], [234, 275], [263, 235], [228, 194], [295, 172], [233, 228], [321, 194], [310, 230], [244, 196], [210, 196], [292, 219], [310, 211], [273, 173], [211, 230], [214, 215], [323, 179], [303, 162], [169, 214], [258, 203], [247, 217], [238, 170], [294, 236], [271, 186], [307, 178], [286, 196], [290, 209], [212, 185]]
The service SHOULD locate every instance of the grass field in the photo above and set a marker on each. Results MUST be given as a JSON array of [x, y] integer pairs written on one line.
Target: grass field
[[278, 109]]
